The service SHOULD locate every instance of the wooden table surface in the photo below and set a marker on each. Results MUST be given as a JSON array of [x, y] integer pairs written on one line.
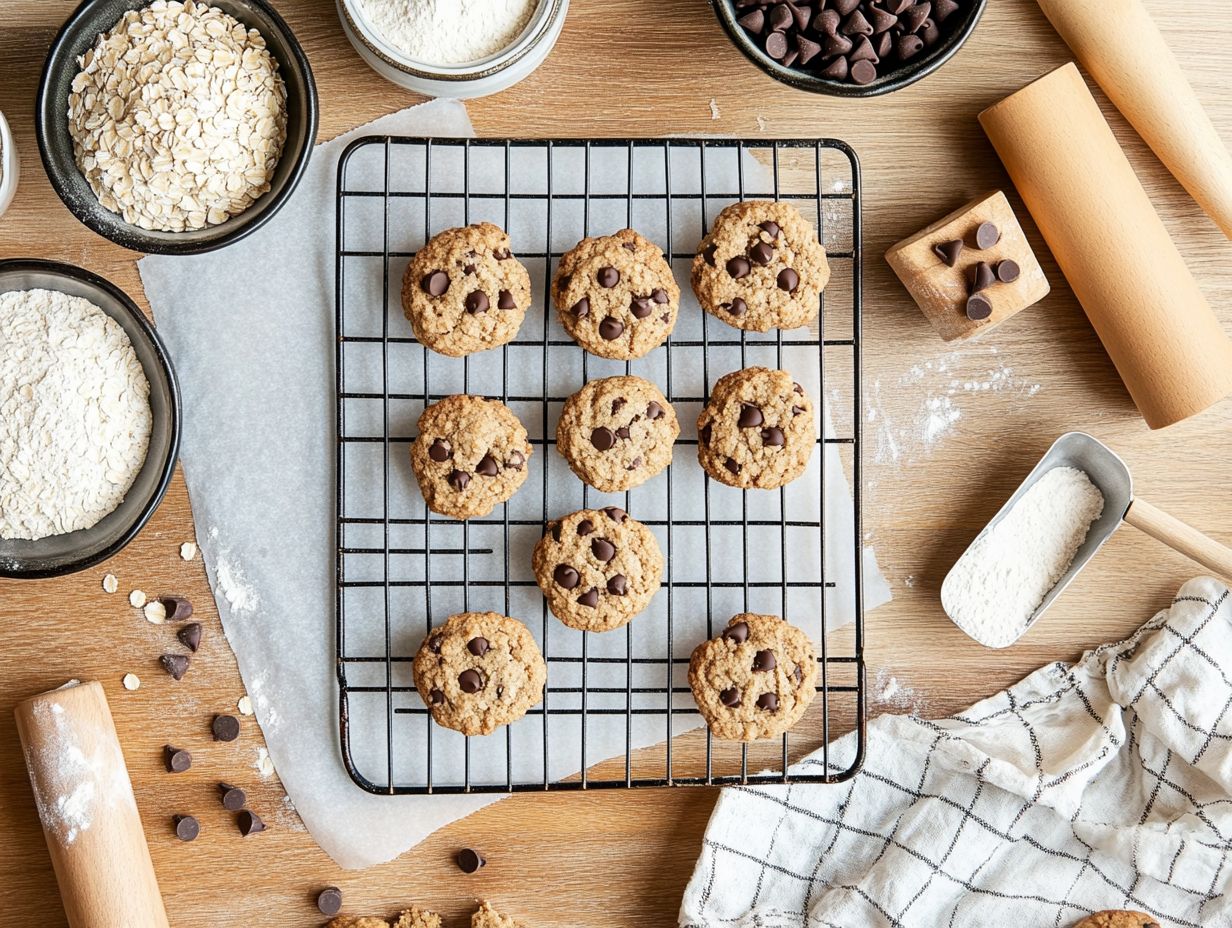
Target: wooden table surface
[[949, 433]]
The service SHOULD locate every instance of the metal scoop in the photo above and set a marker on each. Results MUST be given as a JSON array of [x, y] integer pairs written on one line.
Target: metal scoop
[[1112, 477]]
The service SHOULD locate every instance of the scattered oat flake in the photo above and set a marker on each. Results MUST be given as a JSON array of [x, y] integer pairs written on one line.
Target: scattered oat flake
[[714, 108], [110, 583], [131, 681], [136, 599], [265, 763], [155, 612], [244, 705], [188, 550]]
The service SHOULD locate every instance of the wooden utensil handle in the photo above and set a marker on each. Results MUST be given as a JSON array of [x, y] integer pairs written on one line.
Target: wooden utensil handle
[[1177, 535]]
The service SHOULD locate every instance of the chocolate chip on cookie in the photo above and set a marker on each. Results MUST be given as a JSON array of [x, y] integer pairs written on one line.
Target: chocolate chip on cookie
[[761, 267], [616, 295], [617, 433], [598, 568], [470, 456]]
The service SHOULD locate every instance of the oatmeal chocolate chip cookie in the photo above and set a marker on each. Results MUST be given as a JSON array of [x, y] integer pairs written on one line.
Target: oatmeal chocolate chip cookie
[[1118, 919], [617, 433], [755, 679], [471, 455], [761, 267], [616, 295], [488, 917], [479, 671], [411, 918], [757, 431], [464, 291], [598, 568]]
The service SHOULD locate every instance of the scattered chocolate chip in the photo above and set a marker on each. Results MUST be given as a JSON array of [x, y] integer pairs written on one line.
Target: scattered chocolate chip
[[739, 267], [590, 598], [776, 46], [603, 549], [329, 901], [440, 450], [732, 465], [249, 823], [738, 633], [435, 284], [949, 251], [225, 728], [978, 307], [436, 697], [611, 329], [176, 760], [459, 479], [581, 309], [708, 254], [478, 646], [659, 295], [629, 246], [730, 697], [516, 459], [566, 576], [607, 277], [788, 279], [764, 661], [585, 527], [862, 72], [768, 701], [469, 861], [654, 411], [623, 432], [487, 466], [186, 827], [469, 681], [641, 308], [615, 513], [178, 608], [175, 664], [773, 437], [762, 253], [981, 277], [434, 644], [232, 797], [603, 438], [986, 235], [750, 416], [797, 410], [704, 434], [617, 585], [770, 227], [190, 636], [506, 301], [737, 307], [1007, 271]]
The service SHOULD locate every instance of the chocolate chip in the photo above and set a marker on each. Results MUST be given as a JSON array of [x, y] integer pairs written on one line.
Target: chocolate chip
[[607, 277], [225, 728], [487, 466], [502, 254], [836, 70], [435, 284], [629, 246], [249, 823], [884, 44], [949, 251], [978, 307], [914, 16], [623, 432], [863, 51], [477, 302], [730, 697], [781, 18], [186, 827], [458, 480], [704, 434], [469, 681], [581, 309], [564, 282], [654, 411], [615, 513], [754, 21], [737, 307], [177, 608], [944, 9], [506, 301], [516, 459], [738, 633], [788, 279], [764, 661], [659, 295], [1008, 271], [554, 530], [897, 6], [434, 644], [827, 22], [329, 901], [768, 701], [762, 253], [232, 797], [436, 697], [770, 227], [881, 20], [617, 404], [802, 14], [798, 673], [708, 254], [844, 7], [981, 277], [750, 416], [611, 329], [773, 437], [634, 464], [930, 34], [739, 267], [617, 585], [469, 861], [190, 636], [590, 598], [986, 235], [838, 44], [641, 308], [440, 450], [856, 24], [732, 465], [478, 646], [797, 410], [603, 549], [603, 438], [469, 269], [566, 576], [175, 664], [862, 72], [176, 760], [796, 388], [908, 46]]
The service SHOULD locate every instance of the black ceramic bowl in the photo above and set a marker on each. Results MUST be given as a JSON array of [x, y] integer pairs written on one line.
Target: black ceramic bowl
[[95, 17], [64, 554], [956, 33]]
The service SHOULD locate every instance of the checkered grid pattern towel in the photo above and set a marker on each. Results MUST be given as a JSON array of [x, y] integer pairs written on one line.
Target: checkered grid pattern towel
[[1106, 784]]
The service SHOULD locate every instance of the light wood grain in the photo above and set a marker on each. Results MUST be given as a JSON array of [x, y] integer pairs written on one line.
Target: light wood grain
[[639, 67], [1171, 531]]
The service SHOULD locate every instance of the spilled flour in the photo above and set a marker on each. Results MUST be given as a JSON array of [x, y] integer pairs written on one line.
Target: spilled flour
[[892, 695]]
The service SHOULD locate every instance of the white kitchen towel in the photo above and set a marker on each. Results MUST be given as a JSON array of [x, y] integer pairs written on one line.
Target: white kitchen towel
[[1101, 785]]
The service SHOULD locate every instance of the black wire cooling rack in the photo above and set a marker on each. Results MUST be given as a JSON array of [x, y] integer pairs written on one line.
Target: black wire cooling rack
[[617, 711]]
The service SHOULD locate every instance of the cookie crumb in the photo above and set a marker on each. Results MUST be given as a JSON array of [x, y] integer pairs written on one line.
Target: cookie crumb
[[131, 682], [188, 550], [110, 583], [136, 599], [155, 612], [244, 705]]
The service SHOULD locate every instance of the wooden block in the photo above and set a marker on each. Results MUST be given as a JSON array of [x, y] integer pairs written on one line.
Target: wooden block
[[941, 291]]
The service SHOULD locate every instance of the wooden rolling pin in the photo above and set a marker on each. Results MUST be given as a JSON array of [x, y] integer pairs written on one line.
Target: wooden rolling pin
[[1121, 47], [85, 802], [1113, 248]]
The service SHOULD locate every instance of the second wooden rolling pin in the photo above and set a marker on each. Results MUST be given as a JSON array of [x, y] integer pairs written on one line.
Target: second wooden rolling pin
[[1111, 245]]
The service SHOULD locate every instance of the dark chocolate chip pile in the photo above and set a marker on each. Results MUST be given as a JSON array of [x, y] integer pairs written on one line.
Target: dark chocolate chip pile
[[854, 41]]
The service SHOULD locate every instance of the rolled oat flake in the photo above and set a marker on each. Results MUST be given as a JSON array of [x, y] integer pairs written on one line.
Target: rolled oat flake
[[74, 414]]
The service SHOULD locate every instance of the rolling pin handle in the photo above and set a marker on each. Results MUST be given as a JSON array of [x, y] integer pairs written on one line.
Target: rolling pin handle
[[1190, 542]]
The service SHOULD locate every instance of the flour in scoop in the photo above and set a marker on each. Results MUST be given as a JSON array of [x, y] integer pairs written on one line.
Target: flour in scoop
[[448, 32], [995, 587]]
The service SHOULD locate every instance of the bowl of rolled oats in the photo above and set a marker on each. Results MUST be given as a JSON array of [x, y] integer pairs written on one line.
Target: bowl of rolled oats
[[175, 126]]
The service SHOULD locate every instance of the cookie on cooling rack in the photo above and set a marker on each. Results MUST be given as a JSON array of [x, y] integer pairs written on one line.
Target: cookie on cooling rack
[[464, 291], [757, 431], [470, 456], [755, 679], [479, 671], [616, 295], [617, 432], [598, 568], [761, 267]]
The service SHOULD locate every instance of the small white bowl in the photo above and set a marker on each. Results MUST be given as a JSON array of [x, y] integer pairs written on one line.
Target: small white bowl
[[465, 81], [9, 166]]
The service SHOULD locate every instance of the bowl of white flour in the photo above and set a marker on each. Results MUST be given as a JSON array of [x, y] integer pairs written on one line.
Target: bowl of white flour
[[89, 419], [453, 48]]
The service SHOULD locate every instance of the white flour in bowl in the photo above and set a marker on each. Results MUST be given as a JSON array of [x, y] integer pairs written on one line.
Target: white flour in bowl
[[997, 585], [448, 32]]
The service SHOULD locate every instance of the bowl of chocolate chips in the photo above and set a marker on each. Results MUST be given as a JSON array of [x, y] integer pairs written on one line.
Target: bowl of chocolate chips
[[849, 48]]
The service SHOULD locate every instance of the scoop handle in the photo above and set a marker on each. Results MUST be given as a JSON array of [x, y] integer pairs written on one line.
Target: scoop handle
[[1177, 535]]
